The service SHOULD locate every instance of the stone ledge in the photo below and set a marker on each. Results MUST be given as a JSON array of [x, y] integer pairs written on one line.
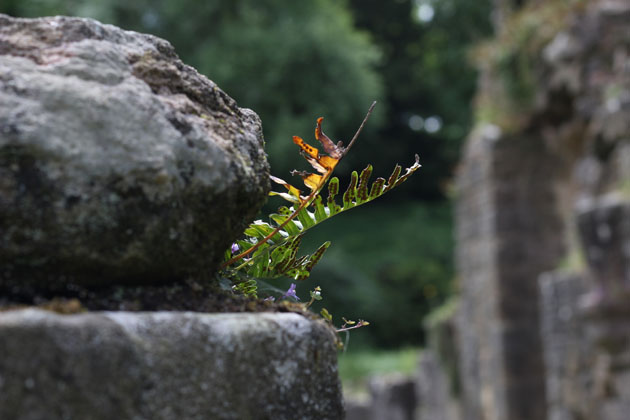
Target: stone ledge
[[166, 365]]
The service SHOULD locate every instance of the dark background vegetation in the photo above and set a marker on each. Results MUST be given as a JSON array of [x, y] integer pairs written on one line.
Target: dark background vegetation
[[293, 61]]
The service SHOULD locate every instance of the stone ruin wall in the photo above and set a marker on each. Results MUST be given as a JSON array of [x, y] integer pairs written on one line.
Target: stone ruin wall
[[543, 226], [541, 328]]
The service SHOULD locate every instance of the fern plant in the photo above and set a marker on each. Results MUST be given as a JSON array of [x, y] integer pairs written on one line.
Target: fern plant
[[270, 249]]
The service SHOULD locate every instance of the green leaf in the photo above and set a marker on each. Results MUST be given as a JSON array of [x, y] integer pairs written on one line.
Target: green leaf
[[291, 228], [305, 217], [246, 244], [286, 196], [264, 261], [320, 210], [284, 210], [362, 189], [316, 294], [316, 256], [350, 194], [247, 288], [333, 189], [260, 261], [279, 255], [377, 188], [300, 274], [326, 315], [293, 249], [260, 230], [391, 182]]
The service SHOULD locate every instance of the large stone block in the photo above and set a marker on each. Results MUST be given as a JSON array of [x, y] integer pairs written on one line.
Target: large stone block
[[166, 365], [118, 163]]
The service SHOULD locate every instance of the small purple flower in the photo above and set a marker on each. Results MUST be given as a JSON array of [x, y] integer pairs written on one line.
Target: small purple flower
[[291, 292], [234, 248], [269, 299]]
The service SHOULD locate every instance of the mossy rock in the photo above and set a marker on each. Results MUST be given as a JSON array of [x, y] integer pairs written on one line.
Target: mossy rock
[[119, 164]]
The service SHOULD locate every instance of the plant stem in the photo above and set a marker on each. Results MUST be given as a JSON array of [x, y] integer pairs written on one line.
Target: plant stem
[[356, 135], [351, 328]]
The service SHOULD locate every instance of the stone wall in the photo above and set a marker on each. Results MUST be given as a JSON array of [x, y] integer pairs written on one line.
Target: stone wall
[[586, 322], [560, 330], [542, 217], [506, 185]]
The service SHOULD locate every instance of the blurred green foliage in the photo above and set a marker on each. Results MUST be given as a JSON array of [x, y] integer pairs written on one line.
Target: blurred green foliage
[[389, 266], [440, 328], [293, 61], [428, 80], [356, 368]]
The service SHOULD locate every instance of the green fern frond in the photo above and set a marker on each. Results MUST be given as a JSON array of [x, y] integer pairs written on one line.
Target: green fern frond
[[355, 195], [277, 256], [247, 288]]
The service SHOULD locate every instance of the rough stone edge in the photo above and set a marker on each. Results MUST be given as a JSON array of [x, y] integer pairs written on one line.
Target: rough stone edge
[[311, 342]]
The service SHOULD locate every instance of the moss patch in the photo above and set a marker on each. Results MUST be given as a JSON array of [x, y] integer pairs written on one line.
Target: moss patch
[[511, 61]]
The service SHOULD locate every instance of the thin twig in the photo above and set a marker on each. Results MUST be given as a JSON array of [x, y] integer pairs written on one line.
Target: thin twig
[[354, 327], [356, 135]]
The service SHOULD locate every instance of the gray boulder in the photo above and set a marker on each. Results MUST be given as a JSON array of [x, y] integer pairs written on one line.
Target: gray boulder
[[167, 365], [118, 163]]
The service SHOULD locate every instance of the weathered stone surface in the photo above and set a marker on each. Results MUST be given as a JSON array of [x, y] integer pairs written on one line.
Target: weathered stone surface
[[604, 225], [118, 163], [357, 409], [117, 365], [507, 233], [434, 393], [587, 351], [393, 397], [438, 384], [477, 319], [563, 144], [565, 348]]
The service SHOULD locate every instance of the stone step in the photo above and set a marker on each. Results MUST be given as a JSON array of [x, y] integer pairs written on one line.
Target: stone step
[[166, 365]]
